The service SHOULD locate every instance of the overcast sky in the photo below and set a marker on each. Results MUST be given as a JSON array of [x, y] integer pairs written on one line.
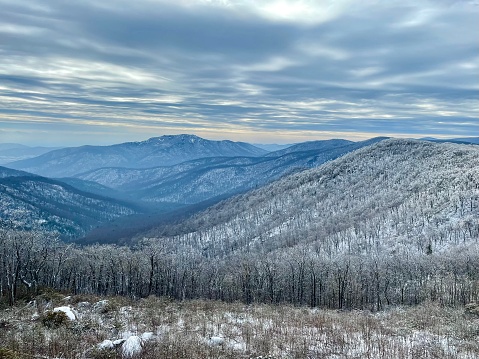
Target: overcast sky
[[101, 72]]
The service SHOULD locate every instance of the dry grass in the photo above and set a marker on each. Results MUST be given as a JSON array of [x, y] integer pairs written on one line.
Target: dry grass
[[207, 329]]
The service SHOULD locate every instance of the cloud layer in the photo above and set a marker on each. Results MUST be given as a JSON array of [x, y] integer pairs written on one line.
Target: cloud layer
[[269, 71]]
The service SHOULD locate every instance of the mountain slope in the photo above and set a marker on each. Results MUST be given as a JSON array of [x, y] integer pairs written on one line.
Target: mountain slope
[[460, 140], [272, 146], [157, 151], [474, 140], [320, 145], [8, 172], [397, 195], [200, 180], [10, 152], [37, 203]]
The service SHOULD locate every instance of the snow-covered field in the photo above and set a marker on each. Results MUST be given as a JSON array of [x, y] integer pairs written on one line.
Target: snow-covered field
[[99, 328]]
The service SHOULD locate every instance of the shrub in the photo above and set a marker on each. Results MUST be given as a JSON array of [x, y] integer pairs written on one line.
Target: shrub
[[4, 324], [472, 309], [103, 354], [53, 319], [50, 295], [10, 354]]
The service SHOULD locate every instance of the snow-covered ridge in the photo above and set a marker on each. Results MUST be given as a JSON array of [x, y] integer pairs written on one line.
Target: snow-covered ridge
[[34, 203], [395, 194]]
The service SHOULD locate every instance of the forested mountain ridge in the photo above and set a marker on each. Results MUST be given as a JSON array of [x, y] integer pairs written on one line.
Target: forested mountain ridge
[[199, 180], [8, 172], [396, 191], [393, 223], [30, 202], [156, 151], [164, 189]]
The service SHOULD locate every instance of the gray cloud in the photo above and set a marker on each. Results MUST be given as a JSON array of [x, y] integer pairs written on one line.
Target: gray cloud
[[237, 69]]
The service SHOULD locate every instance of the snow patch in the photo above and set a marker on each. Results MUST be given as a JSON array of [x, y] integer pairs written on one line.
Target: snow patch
[[131, 346], [118, 342], [67, 310], [83, 305], [106, 344], [100, 306], [216, 341], [147, 336]]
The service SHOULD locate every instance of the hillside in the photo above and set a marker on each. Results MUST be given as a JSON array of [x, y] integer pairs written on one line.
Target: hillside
[[203, 179], [157, 151], [474, 140], [320, 145], [8, 172], [10, 152], [385, 225], [394, 193], [29, 202]]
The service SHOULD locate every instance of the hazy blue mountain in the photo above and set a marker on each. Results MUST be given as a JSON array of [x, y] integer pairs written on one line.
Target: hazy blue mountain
[[9, 146], [10, 152], [460, 140], [157, 151], [272, 146], [320, 145], [30, 202], [474, 140], [93, 187], [199, 180]]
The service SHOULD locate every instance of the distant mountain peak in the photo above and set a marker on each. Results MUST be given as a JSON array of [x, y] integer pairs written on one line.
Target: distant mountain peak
[[174, 138]]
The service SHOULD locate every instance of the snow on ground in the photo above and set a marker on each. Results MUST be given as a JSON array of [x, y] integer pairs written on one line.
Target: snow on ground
[[147, 336], [106, 344], [131, 346], [215, 341], [67, 310], [215, 329]]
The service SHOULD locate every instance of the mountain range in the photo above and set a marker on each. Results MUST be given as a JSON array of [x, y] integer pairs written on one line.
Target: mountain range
[[203, 179], [214, 170], [156, 151]]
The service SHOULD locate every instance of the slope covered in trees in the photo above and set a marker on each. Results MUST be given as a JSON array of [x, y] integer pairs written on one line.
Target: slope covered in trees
[[390, 223], [398, 191], [29, 202], [8, 172], [396, 223]]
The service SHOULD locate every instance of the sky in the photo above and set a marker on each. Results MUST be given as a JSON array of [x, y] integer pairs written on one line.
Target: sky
[[272, 71]]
